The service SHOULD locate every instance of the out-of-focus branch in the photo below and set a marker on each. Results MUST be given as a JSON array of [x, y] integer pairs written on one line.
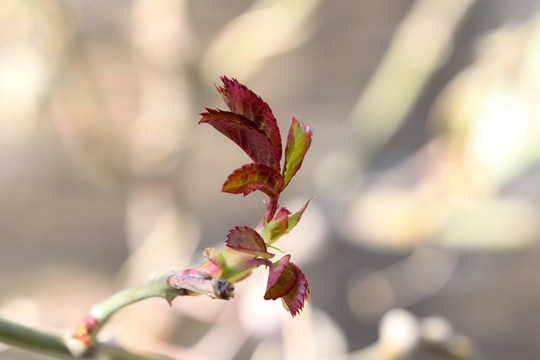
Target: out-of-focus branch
[[243, 44], [402, 336], [419, 46]]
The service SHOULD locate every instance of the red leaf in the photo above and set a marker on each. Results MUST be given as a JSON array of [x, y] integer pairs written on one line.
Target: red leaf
[[253, 177], [271, 207], [298, 142], [241, 100], [295, 299], [245, 134], [247, 240], [281, 279], [288, 282]]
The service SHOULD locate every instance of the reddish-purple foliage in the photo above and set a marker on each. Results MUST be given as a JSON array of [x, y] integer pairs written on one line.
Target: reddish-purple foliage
[[246, 239], [253, 177], [241, 100], [251, 124], [245, 134]]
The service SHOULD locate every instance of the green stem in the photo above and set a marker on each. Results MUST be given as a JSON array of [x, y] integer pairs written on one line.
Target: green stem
[[81, 340], [168, 286], [24, 336], [158, 287], [52, 342]]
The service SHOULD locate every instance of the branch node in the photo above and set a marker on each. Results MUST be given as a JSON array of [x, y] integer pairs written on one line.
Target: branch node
[[223, 289], [200, 283]]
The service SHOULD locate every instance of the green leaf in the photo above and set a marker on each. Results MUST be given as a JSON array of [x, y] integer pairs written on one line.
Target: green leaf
[[247, 240], [284, 222], [279, 225], [298, 142], [265, 231], [253, 177], [295, 218], [238, 265]]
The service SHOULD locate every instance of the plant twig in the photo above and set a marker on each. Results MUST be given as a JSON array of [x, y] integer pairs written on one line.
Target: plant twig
[[24, 336], [82, 340], [53, 342]]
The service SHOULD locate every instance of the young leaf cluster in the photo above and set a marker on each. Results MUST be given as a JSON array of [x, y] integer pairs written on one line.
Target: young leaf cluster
[[250, 123]]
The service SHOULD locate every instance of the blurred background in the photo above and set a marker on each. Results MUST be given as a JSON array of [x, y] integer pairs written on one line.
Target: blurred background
[[422, 241]]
